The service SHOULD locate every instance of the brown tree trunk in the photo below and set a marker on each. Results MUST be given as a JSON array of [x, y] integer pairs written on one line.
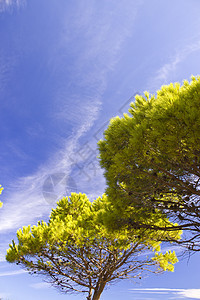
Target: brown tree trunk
[[89, 295], [98, 292]]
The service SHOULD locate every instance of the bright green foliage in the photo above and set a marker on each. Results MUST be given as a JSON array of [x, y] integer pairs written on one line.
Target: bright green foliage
[[166, 260], [152, 156], [1, 189], [77, 253]]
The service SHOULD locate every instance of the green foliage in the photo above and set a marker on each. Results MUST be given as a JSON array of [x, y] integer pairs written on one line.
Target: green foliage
[[1, 189], [152, 156], [76, 252], [166, 260]]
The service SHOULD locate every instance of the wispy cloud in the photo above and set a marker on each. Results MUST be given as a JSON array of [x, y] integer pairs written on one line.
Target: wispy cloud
[[9, 4], [102, 31], [2, 258], [12, 273], [4, 295], [98, 56], [40, 285], [7, 64], [179, 293], [164, 74]]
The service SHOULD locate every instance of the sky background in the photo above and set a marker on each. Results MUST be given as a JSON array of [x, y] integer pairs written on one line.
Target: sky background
[[66, 68]]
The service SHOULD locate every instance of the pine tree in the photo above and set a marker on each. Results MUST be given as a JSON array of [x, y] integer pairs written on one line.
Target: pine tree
[[76, 253], [151, 159]]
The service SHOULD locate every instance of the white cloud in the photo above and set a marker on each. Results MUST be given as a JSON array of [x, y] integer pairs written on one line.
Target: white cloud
[[180, 293], [190, 293], [2, 258], [4, 296], [24, 200], [7, 64], [12, 273], [164, 74], [40, 285], [9, 4]]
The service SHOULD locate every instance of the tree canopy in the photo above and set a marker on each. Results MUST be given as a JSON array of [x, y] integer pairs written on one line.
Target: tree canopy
[[151, 158], [76, 253]]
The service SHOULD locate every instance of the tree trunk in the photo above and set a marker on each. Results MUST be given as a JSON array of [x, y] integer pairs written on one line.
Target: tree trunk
[[98, 292], [89, 296]]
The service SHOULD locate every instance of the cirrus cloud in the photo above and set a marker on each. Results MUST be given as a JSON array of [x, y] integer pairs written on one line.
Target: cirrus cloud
[[9, 4], [172, 292]]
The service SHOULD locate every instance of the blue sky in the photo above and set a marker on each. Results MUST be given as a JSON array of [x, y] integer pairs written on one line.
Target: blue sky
[[66, 68]]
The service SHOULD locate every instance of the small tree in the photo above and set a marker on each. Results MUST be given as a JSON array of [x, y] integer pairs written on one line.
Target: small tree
[[152, 158], [77, 254]]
